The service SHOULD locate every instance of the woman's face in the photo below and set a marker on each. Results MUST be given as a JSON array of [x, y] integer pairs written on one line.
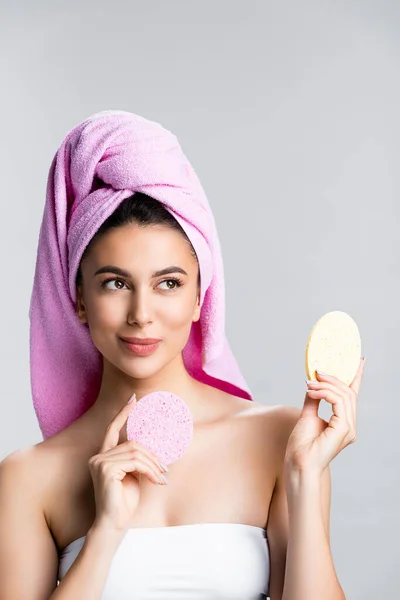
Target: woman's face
[[141, 302]]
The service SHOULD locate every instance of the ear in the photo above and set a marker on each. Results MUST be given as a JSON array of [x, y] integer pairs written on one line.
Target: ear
[[80, 306], [197, 309]]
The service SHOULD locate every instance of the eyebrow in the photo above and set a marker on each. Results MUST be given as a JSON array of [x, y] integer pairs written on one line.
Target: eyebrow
[[123, 273]]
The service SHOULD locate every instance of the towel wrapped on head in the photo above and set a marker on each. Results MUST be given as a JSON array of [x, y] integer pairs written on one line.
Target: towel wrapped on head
[[103, 160]]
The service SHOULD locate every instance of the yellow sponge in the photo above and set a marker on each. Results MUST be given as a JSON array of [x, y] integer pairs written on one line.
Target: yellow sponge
[[334, 347]]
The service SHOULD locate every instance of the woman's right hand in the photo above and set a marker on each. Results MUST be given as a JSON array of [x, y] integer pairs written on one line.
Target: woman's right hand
[[115, 472]]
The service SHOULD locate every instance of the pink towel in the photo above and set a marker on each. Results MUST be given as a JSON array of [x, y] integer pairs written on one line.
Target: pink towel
[[102, 161]]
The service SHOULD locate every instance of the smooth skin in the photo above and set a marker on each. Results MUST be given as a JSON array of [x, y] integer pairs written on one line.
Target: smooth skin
[[72, 484]]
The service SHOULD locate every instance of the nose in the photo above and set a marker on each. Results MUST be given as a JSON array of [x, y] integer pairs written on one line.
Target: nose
[[140, 312]]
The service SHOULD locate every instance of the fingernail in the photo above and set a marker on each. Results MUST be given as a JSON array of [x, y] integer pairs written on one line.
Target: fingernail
[[163, 479], [131, 399], [164, 467], [322, 373]]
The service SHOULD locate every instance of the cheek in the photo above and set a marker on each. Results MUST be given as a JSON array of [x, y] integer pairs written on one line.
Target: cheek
[[177, 313], [175, 325], [105, 313]]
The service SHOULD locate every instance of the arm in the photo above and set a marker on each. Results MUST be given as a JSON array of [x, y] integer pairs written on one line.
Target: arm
[[86, 578], [298, 531], [310, 572], [28, 554]]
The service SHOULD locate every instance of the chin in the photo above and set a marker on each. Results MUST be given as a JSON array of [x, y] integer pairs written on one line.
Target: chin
[[140, 367], [141, 371]]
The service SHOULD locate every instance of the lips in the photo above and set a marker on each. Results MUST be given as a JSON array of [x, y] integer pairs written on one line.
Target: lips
[[141, 347], [140, 341]]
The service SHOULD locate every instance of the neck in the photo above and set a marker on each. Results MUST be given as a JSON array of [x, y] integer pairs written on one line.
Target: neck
[[117, 387]]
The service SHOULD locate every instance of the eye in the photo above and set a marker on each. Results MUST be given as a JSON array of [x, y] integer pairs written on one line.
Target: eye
[[176, 283], [104, 283]]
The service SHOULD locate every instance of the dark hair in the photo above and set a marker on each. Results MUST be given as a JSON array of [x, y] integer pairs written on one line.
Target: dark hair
[[141, 209]]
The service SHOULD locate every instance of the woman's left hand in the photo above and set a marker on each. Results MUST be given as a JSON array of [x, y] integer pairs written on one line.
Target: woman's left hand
[[314, 442]]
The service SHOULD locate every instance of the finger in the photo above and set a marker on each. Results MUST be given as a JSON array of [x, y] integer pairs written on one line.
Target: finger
[[121, 468], [322, 384], [331, 379], [340, 410], [348, 400], [130, 445], [133, 455], [356, 383], [311, 406], [337, 402], [112, 432], [343, 392]]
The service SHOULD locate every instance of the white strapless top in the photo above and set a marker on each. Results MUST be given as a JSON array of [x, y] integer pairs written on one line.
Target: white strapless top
[[202, 561]]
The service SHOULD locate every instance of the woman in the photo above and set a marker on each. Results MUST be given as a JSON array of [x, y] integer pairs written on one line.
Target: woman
[[128, 249]]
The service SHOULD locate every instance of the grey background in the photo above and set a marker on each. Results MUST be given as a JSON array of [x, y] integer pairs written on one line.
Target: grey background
[[289, 112]]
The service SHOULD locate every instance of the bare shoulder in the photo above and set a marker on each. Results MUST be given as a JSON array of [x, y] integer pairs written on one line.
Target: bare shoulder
[[269, 426], [280, 417], [29, 469], [20, 465], [33, 459], [37, 468], [18, 480], [284, 419]]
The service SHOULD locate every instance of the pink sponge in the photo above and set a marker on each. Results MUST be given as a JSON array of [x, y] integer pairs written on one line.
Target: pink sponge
[[163, 424]]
